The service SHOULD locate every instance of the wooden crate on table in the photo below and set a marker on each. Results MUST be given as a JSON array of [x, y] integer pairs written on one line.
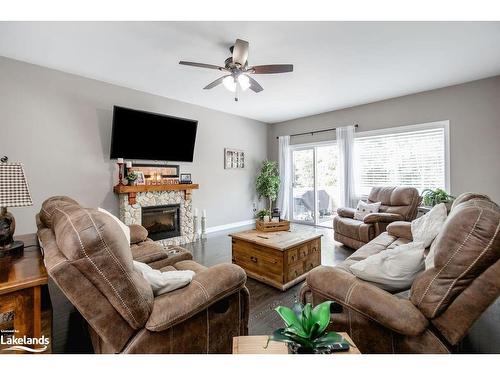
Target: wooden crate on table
[[272, 226]]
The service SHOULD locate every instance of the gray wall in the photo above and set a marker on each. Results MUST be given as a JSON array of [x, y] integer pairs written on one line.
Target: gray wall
[[473, 110], [59, 126]]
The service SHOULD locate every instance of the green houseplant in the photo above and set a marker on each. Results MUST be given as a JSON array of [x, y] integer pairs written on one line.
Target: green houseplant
[[131, 177], [260, 215], [305, 330], [268, 182], [434, 197]]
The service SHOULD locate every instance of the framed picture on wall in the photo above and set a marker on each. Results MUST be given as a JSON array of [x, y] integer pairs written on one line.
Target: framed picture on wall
[[234, 159]]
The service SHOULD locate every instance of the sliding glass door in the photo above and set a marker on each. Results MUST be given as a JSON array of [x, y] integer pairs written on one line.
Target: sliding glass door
[[327, 188], [303, 185], [314, 184]]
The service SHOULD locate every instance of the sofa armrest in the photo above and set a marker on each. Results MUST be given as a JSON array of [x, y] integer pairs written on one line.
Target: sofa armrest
[[396, 314], [400, 229], [207, 287], [137, 233], [346, 212], [382, 217]]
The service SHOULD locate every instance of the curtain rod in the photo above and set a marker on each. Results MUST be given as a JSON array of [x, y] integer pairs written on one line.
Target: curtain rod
[[316, 131]]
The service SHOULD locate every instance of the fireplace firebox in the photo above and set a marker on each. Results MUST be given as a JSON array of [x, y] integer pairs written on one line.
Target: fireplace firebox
[[162, 221]]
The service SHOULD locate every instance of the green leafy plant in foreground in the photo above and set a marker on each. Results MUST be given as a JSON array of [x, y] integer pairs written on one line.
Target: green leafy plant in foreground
[[434, 197], [305, 328]]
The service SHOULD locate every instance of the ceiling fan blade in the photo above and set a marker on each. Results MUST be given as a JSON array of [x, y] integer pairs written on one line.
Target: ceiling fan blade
[[240, 52], [201, 65], [271, 69], [254, 85], [217, 82]]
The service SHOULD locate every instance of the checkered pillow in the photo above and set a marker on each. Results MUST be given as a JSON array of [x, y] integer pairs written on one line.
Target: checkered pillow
[[14, 191]]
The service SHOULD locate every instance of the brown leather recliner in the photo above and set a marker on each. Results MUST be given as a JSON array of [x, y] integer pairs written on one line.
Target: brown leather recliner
[[444, 301], [143, 248], [398, 204], [88, 257]]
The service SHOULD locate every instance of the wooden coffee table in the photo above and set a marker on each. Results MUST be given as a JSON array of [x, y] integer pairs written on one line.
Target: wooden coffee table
[[280, 259], [260, 345]]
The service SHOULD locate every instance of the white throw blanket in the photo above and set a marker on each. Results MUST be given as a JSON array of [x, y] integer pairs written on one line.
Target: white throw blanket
[[163, 282]]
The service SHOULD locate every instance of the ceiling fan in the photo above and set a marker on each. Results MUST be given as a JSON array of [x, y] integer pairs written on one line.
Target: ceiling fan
[[238, 72]]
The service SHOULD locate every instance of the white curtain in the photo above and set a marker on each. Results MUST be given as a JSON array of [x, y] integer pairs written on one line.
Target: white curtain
[[345, 173], [285, 169]]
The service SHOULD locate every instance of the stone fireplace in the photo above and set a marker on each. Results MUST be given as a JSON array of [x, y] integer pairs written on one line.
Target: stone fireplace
[[165, 209], [162, 222]]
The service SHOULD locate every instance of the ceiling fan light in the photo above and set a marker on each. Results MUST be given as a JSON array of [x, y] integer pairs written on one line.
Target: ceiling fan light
[[229, 83], [244, 81]]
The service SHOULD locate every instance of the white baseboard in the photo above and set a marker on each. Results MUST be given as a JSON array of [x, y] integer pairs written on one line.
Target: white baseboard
[[219, 228]]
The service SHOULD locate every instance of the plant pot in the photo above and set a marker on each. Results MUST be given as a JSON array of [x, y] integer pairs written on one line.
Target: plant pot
[[266, 219], [297, 349]]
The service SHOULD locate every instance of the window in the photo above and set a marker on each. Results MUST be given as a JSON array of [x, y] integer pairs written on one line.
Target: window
[[409, 156]]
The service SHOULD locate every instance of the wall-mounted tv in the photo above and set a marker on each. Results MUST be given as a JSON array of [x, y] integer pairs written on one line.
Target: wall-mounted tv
[[151, 136]]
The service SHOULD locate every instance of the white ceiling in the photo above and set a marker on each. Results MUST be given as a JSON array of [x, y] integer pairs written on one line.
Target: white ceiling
[[337, 64]]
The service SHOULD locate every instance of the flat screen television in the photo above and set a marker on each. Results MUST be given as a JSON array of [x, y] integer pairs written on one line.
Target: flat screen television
[[151, 136]]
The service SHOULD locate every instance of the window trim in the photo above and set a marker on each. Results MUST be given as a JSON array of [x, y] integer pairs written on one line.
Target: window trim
[[443, 124]]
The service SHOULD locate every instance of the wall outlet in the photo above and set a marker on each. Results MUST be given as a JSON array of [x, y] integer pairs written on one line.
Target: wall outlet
[[254, 207]]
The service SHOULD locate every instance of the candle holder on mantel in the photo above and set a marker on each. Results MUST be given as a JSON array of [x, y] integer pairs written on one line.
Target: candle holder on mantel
[[120, 171]]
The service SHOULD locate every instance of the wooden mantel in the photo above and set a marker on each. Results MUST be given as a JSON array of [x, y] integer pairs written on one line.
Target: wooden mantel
[[132, 190]]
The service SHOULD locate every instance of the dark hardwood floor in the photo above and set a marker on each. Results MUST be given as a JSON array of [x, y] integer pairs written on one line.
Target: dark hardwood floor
[[70, 332]]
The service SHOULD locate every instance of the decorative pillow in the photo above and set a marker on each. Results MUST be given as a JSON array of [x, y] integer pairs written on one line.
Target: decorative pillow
[[124, 228], [429, 259], [427, 227], [163, 282], [393, 269], [364, 209]]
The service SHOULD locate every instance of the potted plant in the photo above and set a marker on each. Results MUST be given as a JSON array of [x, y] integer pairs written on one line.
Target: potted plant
[[131, 177], [268, 182], [434, 197], [262, 214], [305, 330]]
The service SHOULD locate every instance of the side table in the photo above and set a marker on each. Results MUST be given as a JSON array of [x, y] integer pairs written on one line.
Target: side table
[[25, 308]]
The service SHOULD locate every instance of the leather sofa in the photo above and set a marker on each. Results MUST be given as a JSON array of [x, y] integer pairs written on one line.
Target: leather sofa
[[444, 301], [398, 204], [88, 257]]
